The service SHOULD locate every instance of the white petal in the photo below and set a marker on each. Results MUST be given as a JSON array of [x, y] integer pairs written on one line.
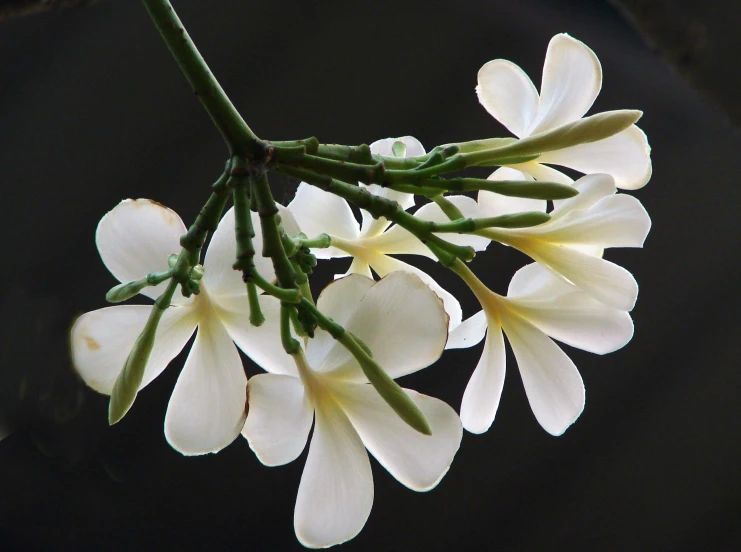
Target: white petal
[[220, 279], [136, 238], [580, 321], [603, 280], [339, 301], [626, 156], [415, 460], [572, 78], [592, 188], [468, 208], [615, 221], [414, 147], [508, 94], [402, 322], [541, 172], [552, 383], [261, 343], [101, 341], [384, 265], [336, 490], [535, 282], [278, 418], [484, 389], [469, 332], [397, 241], [207, 408], [319, 212], [357, 266]]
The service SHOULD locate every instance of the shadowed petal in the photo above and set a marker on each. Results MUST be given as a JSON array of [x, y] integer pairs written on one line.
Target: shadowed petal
[[508, 94], [207, 407], [101, 341], [415, 460], [136, 238], [336, 490], [279, 418]]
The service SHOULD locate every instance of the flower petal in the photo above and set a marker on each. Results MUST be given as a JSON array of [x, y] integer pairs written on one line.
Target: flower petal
[[221, 280], [318, 212], [552, 383], [580, 321], [278, 418], [414, 147], [626, 156], [603, 280], [615, 221], [398, 241], [357, 266], [261, 343], [495, 205], [592, 188], [207, 408], [484, 389], [541, 172], [572, 78], [101, 341], [384, 265], [469, 332], [339, 300], [415, 460], [136, 238], [336, 490], [468, 208], [508, 94], [402, 322]]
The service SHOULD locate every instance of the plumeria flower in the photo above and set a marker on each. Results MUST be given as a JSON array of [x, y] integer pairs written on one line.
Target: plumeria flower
[[403, 323], [371, 243], [572, 78], [571, 243], [207, 409], [538, 305]]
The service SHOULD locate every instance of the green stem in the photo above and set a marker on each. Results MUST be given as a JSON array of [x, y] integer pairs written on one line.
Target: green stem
[[448, 207], [207, 220], [257, 318], [382, 207], [238, 136], [271, 233], [290, 345]]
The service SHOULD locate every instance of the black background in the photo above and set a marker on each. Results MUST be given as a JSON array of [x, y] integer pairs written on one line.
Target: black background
[[93, 110]]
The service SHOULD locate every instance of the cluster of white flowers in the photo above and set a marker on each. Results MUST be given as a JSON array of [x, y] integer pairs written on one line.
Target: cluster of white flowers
[[406, 319]]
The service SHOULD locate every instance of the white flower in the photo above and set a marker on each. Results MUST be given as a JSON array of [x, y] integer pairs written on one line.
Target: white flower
[[404, 325], [572, 78], [537, 305], [207, 408], [572, 241], [370, 245]]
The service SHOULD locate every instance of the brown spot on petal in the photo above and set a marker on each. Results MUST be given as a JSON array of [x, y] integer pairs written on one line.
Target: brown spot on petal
[[247, 401], [91, 343], [167, 213]]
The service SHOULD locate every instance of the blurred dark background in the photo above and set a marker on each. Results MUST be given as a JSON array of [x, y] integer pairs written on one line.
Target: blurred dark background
[[93, 110]]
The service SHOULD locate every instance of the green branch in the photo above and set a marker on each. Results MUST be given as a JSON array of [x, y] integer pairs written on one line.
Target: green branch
[[238, 136]]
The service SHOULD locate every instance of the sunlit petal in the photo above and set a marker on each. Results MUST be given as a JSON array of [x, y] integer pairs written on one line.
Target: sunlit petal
[[484, 389], [508, 94]]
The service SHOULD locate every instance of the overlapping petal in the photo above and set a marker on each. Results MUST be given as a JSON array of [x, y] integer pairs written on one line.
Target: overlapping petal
[[552, 383], [415, 460], [336, 490], [136, 237], [207, 408], [508, 94], [572, 79], [101, 341], [318, 212], [279, 418]]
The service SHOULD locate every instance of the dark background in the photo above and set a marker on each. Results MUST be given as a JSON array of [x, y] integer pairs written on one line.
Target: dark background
[[93, 110]]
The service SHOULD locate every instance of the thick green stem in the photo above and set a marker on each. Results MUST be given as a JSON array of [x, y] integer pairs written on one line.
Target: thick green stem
[[238, 136], [290, 345]]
